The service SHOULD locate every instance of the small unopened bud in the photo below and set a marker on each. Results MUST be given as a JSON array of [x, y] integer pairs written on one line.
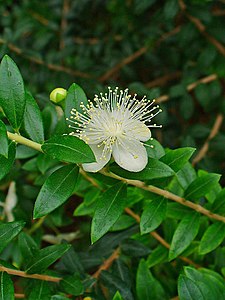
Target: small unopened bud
[[58, 94]]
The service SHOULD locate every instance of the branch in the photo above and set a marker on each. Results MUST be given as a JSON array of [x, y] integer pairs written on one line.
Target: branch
[[168, 195], [215, 129], [163, 79], [33, 276], [190, 87], [135, 55], [24, 141], [39, 61], [201, 28]]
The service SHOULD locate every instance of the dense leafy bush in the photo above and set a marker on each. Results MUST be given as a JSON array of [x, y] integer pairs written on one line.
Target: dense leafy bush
[[114, 234]]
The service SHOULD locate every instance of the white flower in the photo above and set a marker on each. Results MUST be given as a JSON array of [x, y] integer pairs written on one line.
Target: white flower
[[115, 124]]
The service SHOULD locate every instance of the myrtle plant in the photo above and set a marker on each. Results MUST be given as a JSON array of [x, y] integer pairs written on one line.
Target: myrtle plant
[[93, 207]]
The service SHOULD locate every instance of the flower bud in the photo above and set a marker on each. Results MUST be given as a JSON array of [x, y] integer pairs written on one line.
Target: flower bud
[[58, 94]]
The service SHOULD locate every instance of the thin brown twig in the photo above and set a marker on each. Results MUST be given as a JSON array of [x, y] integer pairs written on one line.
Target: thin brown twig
[[214, 131], [65, 10], [39, 61], [201, 28], [16, 295], [107, 263], [160, 81], [135, 55], [190, 87]]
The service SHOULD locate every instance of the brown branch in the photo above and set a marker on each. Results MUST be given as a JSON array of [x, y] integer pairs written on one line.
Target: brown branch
[[163, 79], [201, 28], [135, 55], [168, 195], [19, 296], [159, 238], [107, 263], [190, 87], [65, 10], [39, 61], [33, 276], [215, 129]]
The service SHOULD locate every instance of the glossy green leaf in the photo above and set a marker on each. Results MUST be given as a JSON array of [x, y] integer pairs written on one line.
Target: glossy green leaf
[[154, 169], [46, 257], [72, 285], [6, 287], [39, 290], [110, 206], [188, 289], [147, 286], [176, 159], [212, 238], [201, 186], [154, 149], [27, 245], [158, 255], [12, 94], [33, 120], [153, 214], [8, 231], [75, 96], [117, 296], [58, 187], [3, 140], [69, 149], [184, 234], [6, 163]]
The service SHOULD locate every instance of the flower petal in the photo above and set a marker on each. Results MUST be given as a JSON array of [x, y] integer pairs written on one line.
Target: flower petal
[[130, 155], [100, 161], [138, 130]]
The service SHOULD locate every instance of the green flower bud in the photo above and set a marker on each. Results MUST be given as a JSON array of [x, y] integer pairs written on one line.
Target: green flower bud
[[58, 94]]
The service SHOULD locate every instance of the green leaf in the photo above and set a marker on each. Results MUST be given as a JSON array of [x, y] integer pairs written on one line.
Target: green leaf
[[147, 286], [117, 296], [153, 214], [27, 245], [154, 149], [154, 169], [58, 187], [39, 290], [158, 255], [12, 94], [176, 159], [184, 234], [6, 163], [33, 123], [212, 238], [72, 285], [8, 231], [75, 96], [69, 149], [109, 207], [3, 140], [188, 289], [6, 287], [45, 257], [201, 186]]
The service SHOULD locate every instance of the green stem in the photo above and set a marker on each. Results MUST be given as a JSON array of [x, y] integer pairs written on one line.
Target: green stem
[[24, 141]]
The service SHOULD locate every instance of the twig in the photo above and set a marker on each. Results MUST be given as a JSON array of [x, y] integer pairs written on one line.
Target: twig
[[63, 26], [168, 195], [215, 129], [33, 276], [190, 87], [107, 263], [163, 79], [201, 28], [19, 295], [135, 55], [24, 141], [159, 238], [43, 63]]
